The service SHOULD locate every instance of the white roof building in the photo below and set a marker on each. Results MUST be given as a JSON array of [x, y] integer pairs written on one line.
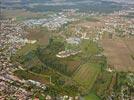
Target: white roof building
[[73, 40]]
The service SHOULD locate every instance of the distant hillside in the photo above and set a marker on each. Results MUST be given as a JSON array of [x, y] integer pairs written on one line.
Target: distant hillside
[[122, 1], [103, 6], [10, 1], [82, 5]]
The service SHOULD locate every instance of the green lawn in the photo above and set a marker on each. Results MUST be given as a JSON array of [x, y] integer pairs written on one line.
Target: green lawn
[[91, 96], [86, 75]]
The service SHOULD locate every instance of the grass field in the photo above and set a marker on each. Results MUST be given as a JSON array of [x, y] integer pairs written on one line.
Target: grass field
[[86, 75], [91, 96], [102, 83], [26, 49]]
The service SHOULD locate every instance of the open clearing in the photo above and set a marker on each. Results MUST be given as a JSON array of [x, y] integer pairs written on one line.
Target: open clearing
[[86, 75], [119, 53], [32, 76], [38, 34]]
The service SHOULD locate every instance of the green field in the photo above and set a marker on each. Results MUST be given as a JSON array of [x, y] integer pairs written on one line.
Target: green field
[[27, 75], [26, 49], [102, 83], [86, 75], [91, 96]]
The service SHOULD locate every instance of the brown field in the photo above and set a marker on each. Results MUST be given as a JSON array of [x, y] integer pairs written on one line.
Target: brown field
[[40, 35], [21, 15], [119, 52], [72, 65], [130, 43], [73, 62]]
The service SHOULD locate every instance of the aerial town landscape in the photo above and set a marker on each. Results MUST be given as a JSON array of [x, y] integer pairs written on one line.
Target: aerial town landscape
[[66, 50]]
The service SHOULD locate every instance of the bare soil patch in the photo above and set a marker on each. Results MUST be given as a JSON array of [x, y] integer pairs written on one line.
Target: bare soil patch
[[41, 36]]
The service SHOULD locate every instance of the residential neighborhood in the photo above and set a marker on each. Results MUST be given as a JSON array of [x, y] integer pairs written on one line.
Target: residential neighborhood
[[52, 23]]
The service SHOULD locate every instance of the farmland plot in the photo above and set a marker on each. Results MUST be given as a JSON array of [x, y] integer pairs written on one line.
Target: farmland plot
[[86, 75]]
